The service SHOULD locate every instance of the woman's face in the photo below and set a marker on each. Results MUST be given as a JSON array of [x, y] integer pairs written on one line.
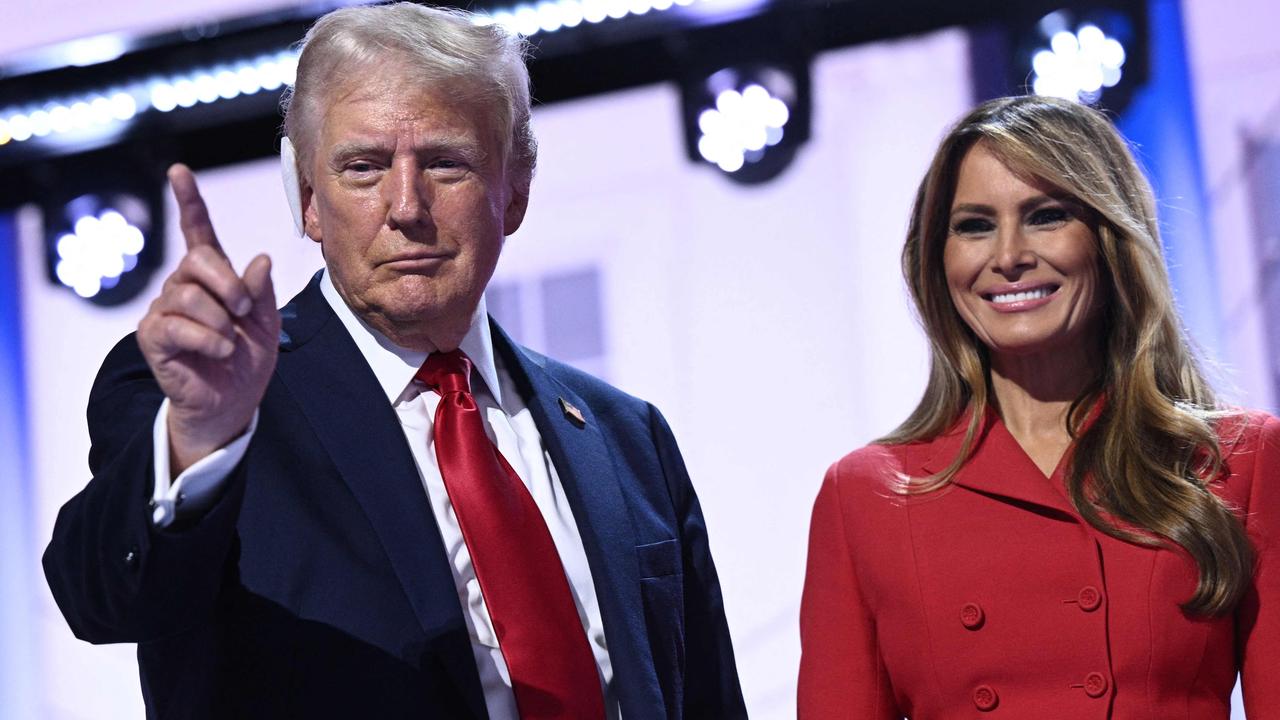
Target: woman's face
[[1021, 263]]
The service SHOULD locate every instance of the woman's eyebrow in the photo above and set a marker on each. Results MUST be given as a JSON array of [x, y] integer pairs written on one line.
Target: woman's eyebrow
[[976, 208]]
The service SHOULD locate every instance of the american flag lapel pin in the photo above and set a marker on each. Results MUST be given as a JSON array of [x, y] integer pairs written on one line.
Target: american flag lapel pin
[[572, 413]]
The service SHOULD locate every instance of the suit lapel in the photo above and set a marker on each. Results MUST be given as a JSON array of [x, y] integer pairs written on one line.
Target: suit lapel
[[999, 466], [329, 378], [584, 463]]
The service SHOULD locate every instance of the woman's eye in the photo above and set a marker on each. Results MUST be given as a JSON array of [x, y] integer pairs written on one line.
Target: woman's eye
[[972, 226], [1050, 216]]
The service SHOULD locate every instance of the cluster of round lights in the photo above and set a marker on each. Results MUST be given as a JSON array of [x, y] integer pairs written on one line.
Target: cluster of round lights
[[1078, 65], [551, 15], [101, 249], [741, 126], [96, 111]]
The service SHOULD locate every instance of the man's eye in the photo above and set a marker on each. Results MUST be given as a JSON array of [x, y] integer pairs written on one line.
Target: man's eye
[[1050, 216], [360, 167], [972, 226]]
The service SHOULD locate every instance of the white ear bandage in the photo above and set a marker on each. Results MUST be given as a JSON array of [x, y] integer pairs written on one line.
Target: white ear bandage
[[292, 189]]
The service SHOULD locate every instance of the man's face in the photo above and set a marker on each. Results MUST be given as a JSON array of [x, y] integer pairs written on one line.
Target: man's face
[[410, 198]]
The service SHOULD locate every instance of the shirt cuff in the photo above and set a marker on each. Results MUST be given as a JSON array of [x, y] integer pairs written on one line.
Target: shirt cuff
[[198, 487]]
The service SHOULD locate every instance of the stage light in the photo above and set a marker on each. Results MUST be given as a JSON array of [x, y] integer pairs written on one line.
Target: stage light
[[740, 126], [748, 121], [41, 123], [20, 127], [228, 84], [247, 78], [1079, 64], [101, 244], [1081, 56], [97, 252], [122, 106], [594, 11]]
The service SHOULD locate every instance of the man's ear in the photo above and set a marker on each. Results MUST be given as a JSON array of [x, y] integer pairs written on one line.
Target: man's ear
[[516, 207], [310, 215], [292, 186]]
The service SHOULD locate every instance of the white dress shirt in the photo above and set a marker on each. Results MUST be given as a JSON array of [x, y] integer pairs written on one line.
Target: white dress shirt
[[509, 425]]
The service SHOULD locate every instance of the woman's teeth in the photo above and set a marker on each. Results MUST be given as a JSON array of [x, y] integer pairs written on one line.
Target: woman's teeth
[[1021, 296]]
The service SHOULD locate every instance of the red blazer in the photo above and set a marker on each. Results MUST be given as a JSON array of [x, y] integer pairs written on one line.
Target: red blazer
[[993, 598]]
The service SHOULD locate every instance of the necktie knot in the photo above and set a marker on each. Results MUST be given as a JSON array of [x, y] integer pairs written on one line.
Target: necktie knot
[[446, 372]]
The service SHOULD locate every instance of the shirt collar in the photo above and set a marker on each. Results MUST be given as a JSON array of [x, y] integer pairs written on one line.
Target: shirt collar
[[394, 366]]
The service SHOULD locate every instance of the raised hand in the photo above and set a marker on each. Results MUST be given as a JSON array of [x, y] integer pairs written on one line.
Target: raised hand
[[211, 336]]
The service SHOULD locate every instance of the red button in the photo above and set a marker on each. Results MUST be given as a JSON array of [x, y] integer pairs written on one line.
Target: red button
[[971, 616], [985, 698], [1089, 598], [1095, 684]]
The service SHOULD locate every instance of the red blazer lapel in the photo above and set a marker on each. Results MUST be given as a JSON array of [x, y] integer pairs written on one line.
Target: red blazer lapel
[[998, 466]]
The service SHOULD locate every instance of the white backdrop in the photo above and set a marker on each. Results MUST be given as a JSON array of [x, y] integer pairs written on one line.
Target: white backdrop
[[769, 323], [1235, 61]]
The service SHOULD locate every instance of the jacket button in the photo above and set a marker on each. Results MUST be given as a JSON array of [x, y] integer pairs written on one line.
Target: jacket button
[[131, 557], [985, 698], [971, 616], [1095, 684], [1089, 598]]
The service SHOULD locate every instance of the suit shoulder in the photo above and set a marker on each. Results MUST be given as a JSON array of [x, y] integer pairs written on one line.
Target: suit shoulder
[[1242, 433], [873, 470], [870, 463], [1250, 445]]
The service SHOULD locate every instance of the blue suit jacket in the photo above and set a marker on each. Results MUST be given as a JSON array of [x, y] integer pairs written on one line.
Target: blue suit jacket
[[318, 585]]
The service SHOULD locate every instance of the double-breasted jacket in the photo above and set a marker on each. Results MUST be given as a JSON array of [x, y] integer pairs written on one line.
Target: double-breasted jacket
[[992, 597]]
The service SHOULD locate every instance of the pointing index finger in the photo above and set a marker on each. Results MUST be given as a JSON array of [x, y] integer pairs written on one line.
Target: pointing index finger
[[193, 214]]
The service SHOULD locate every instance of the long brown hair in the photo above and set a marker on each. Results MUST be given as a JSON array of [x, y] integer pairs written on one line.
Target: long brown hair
[[1141, 470]]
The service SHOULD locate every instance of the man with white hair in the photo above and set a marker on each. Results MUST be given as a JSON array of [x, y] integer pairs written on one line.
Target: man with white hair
[[372, 503]]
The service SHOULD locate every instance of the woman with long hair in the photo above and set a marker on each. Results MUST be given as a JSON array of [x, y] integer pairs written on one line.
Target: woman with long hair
[[1070, 524]]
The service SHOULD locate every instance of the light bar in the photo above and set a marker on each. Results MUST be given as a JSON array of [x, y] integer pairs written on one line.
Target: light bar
[[109, 109], [94, 113]]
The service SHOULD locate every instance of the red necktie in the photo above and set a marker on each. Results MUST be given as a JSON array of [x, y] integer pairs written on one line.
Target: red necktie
[[553, 672]]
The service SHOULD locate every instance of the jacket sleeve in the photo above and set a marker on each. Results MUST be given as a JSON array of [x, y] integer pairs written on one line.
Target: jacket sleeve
[[711, 688], [841, 672], [115, 576], [1258, 618]]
